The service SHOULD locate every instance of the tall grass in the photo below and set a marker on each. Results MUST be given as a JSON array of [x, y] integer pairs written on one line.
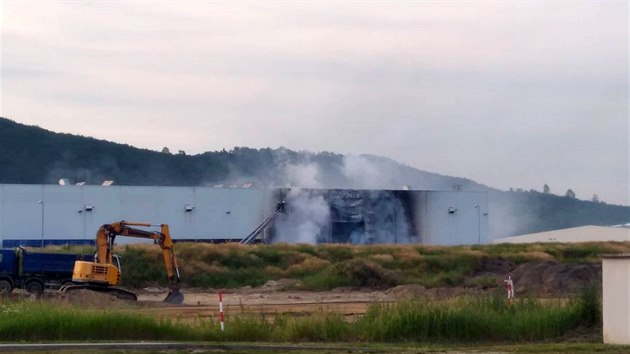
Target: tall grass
[[46, 322], [470, 320], [486, 319]]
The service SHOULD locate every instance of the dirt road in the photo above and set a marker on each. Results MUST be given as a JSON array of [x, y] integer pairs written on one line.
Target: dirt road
[[200, 305]]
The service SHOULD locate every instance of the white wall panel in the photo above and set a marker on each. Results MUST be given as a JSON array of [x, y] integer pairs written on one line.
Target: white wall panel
[[106, 202], [22, 215], [217, 214], [464, 224], [62, 217]]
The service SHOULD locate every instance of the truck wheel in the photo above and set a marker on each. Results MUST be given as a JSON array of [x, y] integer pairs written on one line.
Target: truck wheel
[[5, 287], [34, 287]]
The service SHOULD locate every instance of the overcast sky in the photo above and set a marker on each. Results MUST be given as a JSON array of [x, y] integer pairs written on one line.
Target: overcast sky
[[509, 94]]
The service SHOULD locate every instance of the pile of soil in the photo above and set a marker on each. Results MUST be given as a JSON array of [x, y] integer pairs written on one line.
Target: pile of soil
[[269, 287], [553, 279], [496, 266], [535, 278], [87, 298]]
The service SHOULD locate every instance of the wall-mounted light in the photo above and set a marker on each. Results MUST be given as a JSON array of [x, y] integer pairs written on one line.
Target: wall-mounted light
[[86, 207], [188, 208], [452, 210]]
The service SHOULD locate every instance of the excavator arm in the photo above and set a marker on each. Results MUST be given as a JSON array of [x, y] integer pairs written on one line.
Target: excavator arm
[[107, 233]]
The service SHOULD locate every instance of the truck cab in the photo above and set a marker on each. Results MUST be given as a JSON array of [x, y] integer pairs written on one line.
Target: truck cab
[[7, 270]]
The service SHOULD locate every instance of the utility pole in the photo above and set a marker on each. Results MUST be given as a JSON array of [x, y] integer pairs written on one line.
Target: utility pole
[[478, 223], [41, 202]]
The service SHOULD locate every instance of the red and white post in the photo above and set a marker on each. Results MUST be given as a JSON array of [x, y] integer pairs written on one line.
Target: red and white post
[[221, 309], [509, 286]]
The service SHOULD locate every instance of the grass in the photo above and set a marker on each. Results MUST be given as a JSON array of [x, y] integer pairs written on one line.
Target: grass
[[474, 320], [323, 267], [467, 320], [46, 322]]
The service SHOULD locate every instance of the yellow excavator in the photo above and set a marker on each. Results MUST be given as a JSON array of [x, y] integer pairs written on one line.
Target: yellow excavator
[[103, 275]]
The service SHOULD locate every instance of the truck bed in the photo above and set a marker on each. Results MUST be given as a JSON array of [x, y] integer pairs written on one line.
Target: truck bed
[[50, 263]]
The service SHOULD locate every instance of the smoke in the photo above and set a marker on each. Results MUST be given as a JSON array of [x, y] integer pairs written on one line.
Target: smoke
[[365, 174], [307, 216], [513, 213], [351, 214], [306, 175], [345, 198]]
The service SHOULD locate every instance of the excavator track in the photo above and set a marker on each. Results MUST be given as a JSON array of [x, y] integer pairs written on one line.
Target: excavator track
[[119, 293]]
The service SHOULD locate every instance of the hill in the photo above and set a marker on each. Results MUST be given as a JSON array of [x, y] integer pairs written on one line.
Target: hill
[[32, 155]]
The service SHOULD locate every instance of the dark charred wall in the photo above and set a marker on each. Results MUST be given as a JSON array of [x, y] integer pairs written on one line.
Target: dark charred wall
[[381, 216]]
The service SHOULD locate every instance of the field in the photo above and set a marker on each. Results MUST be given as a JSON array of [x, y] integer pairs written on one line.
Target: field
[[447, 297], [326, 267]]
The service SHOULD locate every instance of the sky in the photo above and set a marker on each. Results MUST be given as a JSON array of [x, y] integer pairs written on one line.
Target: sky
[[509, 94]]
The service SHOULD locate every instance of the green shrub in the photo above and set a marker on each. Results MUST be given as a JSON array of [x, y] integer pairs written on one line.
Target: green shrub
[[589, 305], [577, 253], [270, 255], [141, 268], [360, 272], [325, 280], [336, 253]]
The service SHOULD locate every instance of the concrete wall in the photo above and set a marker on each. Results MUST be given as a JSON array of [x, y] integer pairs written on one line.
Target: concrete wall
[[452, 218], [616, 299], [72, 214], [61, 213]]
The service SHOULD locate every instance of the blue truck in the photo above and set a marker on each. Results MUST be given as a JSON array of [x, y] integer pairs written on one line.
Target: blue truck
[[35, 271]]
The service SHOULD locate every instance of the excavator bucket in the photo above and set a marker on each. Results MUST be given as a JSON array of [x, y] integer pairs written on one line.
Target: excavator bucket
[[174, 297]]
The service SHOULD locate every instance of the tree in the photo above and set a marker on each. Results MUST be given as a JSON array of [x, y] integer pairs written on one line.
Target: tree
[[181, 152], [166, 150], [546, 189], [595, 198], [570, 194]]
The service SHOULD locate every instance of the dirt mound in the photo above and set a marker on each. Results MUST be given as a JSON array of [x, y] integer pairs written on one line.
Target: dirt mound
[[280, 285], [495, 266], [87, 298], [549, 278], [410, 291]]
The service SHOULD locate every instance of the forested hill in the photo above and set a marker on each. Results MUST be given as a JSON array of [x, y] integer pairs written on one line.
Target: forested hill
[[32, 155]]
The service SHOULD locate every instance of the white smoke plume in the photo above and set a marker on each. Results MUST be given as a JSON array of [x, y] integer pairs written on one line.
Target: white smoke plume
[[304, 175], [307, 216], [365, 174]]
